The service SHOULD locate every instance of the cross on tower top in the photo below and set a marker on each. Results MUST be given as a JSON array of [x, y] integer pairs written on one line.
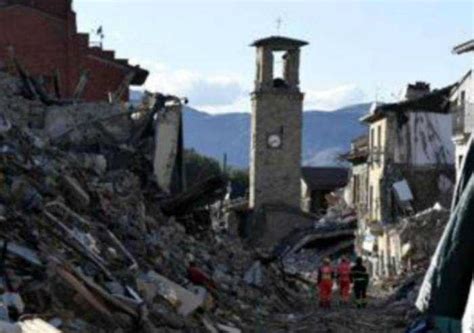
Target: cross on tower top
[[279, 21]]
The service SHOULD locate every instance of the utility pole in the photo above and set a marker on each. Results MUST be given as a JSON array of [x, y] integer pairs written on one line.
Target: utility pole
[[224, 164]]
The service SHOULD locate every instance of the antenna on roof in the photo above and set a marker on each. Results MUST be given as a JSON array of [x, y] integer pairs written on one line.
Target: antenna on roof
[[98, 37], [101, 35]]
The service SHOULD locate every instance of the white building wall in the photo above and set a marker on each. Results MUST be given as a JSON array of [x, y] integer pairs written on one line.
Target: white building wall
[[425, 139], [463, 117]]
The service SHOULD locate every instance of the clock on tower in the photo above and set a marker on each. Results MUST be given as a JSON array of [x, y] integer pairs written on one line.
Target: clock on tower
[[274, 141], [277, 111]]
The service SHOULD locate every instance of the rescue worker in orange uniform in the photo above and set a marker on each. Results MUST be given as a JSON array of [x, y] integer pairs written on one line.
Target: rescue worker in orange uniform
[[344, 279], [325, 282]]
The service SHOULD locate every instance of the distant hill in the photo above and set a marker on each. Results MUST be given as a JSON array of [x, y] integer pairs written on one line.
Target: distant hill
[[325, 134]]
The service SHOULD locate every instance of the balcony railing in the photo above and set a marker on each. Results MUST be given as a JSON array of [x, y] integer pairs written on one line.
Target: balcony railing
[[376, 156]]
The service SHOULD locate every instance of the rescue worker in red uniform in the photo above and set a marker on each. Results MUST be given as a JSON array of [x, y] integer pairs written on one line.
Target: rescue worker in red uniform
[[344, 279], [325, 282], [198, 277]]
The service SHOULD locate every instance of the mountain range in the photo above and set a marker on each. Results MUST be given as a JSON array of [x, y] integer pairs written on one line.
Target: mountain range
[[325, 134]]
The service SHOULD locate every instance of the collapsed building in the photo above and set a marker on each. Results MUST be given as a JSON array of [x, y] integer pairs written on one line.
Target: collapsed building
[[408, 153], [101, 233], [404, 212], [94, 238], [447, 292], [462, 109], [317, 184], [356, 192], [43, 37]]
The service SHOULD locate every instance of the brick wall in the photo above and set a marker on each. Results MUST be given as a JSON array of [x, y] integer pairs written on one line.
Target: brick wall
[[45, 43]]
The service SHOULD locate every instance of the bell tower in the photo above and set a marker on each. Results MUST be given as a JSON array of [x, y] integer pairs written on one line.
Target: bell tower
[[277, 112]]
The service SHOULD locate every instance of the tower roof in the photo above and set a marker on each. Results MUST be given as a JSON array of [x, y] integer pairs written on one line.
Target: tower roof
[[279, 42]]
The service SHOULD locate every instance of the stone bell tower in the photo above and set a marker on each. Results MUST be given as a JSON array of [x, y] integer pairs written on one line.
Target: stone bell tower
[[277, 112]]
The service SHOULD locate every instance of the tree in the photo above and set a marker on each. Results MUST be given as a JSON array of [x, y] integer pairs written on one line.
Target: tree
[[199, 167]]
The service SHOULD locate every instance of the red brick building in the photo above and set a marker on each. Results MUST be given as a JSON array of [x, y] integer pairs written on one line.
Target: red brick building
[[43, 36]]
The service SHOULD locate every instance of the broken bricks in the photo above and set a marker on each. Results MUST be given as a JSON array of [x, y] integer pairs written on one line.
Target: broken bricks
[[97, 246]]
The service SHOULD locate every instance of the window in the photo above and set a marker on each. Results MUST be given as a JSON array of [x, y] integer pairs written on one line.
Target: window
[[462, 98], [356, 190], [379, 144], [379, 136], [372, 133], [371, 200], [371, 150]]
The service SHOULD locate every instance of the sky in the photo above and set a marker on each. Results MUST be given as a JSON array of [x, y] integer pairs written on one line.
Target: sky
[[359, 51]]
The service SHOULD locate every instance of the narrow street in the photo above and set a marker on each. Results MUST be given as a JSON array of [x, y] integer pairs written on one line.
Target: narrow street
[[194, 171], [376, 317]]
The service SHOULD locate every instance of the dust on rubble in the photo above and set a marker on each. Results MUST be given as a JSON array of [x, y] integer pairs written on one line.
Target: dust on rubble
[[91, 244]]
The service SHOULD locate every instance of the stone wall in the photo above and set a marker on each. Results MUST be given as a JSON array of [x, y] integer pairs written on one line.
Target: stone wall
[[275, 173], [271, 223]]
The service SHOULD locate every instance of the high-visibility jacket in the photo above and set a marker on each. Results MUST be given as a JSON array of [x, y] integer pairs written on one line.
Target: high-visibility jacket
[[344, 272], [359, 275], [326, 273]]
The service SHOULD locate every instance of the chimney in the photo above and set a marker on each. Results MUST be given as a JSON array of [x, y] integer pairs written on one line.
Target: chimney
[[417, 90]]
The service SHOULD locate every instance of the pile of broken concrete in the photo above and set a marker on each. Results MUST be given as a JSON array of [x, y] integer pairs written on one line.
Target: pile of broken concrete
[[303, 251], [89, 242], [420, 235]]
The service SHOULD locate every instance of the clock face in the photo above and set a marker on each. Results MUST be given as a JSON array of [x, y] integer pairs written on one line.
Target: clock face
[[274, 141]]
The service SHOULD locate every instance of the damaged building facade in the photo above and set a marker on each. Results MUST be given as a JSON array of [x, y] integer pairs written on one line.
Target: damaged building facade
[[357, 190], [319, 182], [410, 154], [462, 109], [462, 103], [43, 37]]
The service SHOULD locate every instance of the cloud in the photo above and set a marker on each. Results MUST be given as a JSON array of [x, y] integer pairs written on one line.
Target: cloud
[[229, 92], [335, 98], [212, 91]]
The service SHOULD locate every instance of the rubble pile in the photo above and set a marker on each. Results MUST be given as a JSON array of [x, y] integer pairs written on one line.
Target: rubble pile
[[420, 235], [90, 244], [331, 236], [403, 293]]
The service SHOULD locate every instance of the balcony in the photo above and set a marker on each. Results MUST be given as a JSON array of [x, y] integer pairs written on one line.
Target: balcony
[[376, 156]]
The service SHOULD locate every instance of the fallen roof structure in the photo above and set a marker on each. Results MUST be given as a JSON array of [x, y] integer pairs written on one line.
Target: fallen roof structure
[[90, 242], [436, 101], [302, 251], [325, 178]]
